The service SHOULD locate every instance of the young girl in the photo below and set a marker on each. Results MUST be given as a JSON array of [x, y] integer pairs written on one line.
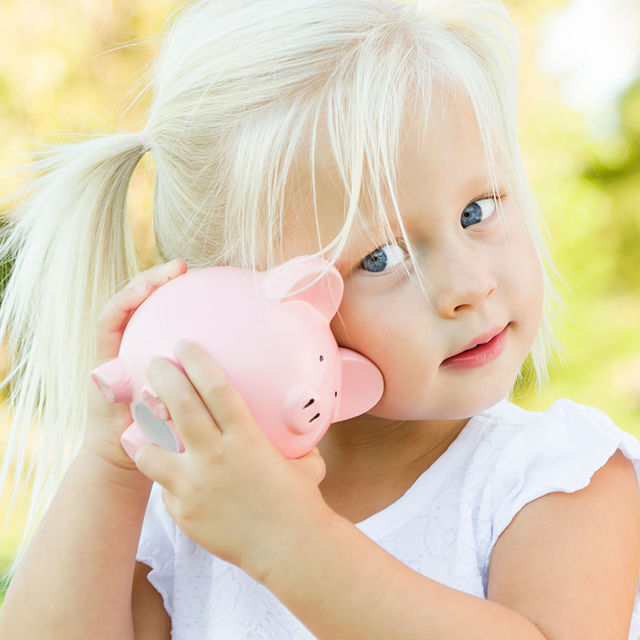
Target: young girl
[[381, 136]]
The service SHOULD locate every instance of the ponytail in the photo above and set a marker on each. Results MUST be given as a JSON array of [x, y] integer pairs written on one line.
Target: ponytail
[[69, 249]]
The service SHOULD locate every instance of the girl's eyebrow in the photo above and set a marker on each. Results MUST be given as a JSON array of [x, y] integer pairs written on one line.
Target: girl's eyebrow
[[475, 186], [480, 181]]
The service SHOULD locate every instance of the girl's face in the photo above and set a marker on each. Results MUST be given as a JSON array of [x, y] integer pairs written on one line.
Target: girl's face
[[482, 277]]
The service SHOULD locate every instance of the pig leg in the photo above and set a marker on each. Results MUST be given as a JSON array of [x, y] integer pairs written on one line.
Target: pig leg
[[132, 439], [156, 406], [113, 380]]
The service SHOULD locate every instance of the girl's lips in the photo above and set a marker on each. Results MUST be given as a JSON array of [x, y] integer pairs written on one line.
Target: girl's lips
[[480, 355]]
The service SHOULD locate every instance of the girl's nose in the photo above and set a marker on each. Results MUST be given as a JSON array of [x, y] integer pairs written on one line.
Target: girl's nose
[[464, 283]]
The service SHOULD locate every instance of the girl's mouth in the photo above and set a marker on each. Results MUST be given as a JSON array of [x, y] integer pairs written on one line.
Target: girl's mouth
[[479, 355]]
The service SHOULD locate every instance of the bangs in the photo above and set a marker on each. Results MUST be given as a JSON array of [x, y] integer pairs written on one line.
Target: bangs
[[361, 112]]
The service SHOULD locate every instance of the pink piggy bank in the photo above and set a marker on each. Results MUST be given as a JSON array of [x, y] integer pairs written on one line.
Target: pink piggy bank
[[275, 347]]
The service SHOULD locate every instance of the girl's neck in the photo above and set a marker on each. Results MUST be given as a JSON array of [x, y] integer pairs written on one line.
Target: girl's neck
[[371, 462]]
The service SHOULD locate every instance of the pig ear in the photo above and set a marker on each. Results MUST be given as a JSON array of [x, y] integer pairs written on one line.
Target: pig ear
[[324, 295], [362, 386]]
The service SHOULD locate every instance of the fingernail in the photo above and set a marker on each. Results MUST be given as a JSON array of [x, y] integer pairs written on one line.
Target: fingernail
[[183, 344], [152, 360]]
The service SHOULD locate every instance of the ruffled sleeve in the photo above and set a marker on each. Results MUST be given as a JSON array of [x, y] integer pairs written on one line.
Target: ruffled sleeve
[[156, 547], [557, 450]]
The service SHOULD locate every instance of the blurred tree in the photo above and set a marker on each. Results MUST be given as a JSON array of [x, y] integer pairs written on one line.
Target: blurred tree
[[588, 190], [614, 168]]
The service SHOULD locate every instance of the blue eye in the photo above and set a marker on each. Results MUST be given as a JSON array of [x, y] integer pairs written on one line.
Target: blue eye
[[387, 254], [478, 211]]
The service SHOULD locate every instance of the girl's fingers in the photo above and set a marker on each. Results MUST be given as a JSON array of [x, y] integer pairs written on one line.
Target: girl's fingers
[[313, 464], [223, 400], [188, 411], [158, 464], [115, 314]]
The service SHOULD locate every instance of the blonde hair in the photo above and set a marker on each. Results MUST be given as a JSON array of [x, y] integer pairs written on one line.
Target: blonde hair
[[240, 90]]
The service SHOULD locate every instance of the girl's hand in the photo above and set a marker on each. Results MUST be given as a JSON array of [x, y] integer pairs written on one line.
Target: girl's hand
[[106, 421], [230, 491]]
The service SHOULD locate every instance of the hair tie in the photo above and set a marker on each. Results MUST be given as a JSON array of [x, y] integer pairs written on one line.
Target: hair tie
[[142, 136]]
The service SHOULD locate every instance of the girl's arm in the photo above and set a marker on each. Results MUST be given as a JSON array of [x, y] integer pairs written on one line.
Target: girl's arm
[[565, 569], [150, 620], [75, 579], [76, 575]]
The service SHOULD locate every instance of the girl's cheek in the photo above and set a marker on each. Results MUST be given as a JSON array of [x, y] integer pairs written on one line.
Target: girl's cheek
[[538, 288], [525, 272]]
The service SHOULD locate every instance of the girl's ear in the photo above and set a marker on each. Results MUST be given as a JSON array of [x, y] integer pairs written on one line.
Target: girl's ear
[[325, 294]]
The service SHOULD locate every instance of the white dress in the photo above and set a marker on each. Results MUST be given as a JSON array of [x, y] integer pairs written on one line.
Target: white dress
[[444, 526]]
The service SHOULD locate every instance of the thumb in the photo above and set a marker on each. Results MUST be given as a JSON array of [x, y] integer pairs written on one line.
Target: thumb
[[158, 464]]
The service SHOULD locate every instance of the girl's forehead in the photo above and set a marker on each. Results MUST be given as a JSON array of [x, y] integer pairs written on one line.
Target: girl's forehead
[[435, 159], [305, 235]]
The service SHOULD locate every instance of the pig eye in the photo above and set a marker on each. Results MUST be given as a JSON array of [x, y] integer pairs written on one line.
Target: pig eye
[[321, 358]]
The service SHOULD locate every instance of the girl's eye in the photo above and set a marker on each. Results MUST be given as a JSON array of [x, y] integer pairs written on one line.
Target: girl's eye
[[390, 255], [478, 211]]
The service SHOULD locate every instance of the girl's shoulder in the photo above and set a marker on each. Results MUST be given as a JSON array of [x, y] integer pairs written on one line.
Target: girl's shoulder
[[533, 453]]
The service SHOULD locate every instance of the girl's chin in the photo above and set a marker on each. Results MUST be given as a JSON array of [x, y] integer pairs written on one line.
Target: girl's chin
[[455, 407]]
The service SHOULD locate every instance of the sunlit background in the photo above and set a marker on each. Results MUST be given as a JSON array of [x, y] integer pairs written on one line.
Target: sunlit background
[[63, 69]]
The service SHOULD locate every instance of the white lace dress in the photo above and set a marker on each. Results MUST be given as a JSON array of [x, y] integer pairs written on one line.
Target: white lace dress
[[444, 526]]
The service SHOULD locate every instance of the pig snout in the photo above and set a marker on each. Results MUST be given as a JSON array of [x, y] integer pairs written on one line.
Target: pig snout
[[303, 409]]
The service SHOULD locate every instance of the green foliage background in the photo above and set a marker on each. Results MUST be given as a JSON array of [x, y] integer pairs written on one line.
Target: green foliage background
[[63, 68]]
